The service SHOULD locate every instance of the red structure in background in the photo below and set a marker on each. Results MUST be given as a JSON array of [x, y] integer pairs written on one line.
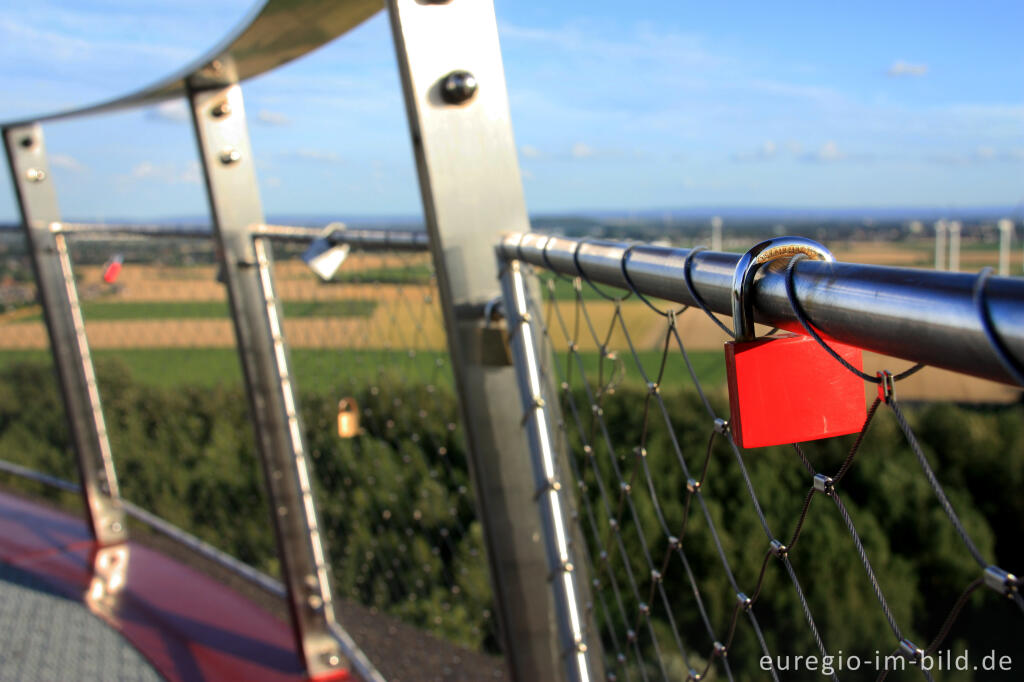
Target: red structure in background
[[186, 624]]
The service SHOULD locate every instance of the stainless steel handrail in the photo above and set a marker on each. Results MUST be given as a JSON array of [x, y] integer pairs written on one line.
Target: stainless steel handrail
[[273, 33], [919, 315]]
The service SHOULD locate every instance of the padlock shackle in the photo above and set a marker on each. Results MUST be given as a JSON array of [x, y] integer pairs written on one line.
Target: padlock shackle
[[743, 278]]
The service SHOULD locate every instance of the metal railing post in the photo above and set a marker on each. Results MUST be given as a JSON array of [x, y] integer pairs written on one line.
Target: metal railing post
[[454, 87], [58, 296], [220, 125], [551, 478]]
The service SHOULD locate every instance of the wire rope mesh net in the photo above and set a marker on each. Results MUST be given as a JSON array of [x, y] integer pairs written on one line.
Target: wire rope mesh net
[[379, 406], [712, 562]]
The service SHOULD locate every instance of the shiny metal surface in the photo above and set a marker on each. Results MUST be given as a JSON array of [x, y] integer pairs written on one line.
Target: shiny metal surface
[[918, 315], [769, 251], [540, 416], [247, 266], [472, 194], [58, 296], [367, 239], [273, 33]]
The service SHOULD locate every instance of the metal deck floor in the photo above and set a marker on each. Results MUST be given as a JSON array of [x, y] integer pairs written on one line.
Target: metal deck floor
[[46, 636], [70, 612]]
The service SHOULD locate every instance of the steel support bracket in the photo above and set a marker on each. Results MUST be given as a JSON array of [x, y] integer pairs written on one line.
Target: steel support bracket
[[58, 295], [247, 266]]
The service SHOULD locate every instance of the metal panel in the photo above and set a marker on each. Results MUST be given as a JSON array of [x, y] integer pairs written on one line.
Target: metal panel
[[223, 137], [454, 87], [919, 315], [272, 33], [58, 295]]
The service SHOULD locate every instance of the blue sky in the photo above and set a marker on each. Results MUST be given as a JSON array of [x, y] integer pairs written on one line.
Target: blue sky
[[615, 106]]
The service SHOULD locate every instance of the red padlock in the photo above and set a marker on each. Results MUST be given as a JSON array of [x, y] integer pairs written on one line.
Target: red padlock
[[787, 388], [112, 269]]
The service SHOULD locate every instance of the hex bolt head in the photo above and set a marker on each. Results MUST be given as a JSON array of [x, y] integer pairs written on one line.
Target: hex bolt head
[[230, 155], [35, 175], [458, 87]]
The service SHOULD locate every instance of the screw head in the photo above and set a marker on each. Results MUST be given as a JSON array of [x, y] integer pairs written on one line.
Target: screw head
[[35, 175], [458, 87], [230, 155]]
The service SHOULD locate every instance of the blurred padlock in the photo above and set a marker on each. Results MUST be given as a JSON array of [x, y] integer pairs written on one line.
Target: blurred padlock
[[786, 388], [112, 269], [348, 418]]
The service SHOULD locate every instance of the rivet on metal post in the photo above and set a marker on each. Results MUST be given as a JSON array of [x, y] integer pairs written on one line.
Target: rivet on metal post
[[35, 175], [221, 110], [230, 155], [458, 87]]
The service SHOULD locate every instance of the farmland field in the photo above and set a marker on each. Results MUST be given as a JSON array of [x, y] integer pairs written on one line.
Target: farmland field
[[169, 325]]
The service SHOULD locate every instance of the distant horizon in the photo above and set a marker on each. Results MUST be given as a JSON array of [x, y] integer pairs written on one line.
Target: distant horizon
[[688, 213]]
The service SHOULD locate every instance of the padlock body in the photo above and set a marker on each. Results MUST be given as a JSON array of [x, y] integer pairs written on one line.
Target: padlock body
[[788, 389]]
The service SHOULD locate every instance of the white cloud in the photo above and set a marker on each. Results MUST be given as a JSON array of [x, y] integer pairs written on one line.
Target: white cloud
[[67, 162], [173, 110], [317, 155], [529, 151], [767, 150], [901, 68], [830, 152], [272, 118], [581, 150], [167, 173]]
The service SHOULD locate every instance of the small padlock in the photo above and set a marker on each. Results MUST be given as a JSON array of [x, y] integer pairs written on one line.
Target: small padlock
[[787, 388], [112, 269], [348, 418]]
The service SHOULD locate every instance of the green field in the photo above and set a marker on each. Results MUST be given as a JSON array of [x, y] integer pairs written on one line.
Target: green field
[[323, 369], [192, 310], [412, 274]]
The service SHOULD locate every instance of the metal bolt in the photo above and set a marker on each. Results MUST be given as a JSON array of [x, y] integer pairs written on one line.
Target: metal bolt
[[35, 175], [315, 602], [27, 141], [221, 110], [458, 87], [230, 155], [116, 526], [332, 659]]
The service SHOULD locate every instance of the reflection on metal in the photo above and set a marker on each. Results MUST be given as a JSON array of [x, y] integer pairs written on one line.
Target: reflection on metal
[[555, 506], [235, 207], [58, 294], [472, 194], [348, 418], [918, 315], [273, 33], [109, 570], [323, 257]]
